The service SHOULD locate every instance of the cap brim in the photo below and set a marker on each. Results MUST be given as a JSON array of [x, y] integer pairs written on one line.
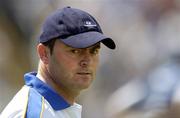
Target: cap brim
[[88, 39]]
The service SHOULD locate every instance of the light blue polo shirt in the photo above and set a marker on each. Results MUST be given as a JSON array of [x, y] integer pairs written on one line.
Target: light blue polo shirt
[[38, 100]]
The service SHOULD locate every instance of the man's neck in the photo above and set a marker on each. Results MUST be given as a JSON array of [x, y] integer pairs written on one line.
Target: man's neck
[[68, 95]]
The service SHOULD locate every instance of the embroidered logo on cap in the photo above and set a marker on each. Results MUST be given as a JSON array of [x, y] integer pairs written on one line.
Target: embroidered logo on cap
[[89, 24]]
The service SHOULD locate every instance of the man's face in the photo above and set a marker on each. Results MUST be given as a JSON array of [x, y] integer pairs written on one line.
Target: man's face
[[71, 68]]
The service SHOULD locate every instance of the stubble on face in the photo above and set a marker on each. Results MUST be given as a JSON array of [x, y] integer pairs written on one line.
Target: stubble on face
[[66, 71]]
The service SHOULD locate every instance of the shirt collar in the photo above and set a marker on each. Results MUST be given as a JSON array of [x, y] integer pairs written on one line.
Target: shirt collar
[[54, 99]]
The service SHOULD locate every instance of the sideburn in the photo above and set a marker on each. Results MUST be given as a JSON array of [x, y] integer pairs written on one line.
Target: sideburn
[[50, 45]]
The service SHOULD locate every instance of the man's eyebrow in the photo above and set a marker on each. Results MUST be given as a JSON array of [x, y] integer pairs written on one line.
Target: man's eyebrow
[[97, 46]]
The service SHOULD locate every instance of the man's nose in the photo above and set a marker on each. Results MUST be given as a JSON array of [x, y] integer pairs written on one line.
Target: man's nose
[[86, 60]]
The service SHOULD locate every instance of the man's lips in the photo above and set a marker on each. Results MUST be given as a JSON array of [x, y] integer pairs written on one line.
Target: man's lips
[[84, 72]]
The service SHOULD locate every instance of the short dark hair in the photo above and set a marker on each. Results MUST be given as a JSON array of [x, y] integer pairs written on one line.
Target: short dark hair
[[50, 44]]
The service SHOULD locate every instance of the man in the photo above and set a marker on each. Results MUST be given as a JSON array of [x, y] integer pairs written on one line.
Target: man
[[69, 54]]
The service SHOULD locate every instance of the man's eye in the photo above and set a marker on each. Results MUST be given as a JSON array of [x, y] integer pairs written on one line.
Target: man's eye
[[75, 51], [95, 51]]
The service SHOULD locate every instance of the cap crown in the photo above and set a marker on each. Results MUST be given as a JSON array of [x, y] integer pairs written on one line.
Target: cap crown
[[67, 22]]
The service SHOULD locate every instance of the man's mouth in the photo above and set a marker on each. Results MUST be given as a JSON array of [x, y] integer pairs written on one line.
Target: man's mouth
[[84, 73]]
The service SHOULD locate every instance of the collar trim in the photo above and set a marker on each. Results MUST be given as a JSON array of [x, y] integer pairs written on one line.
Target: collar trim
[[54, 99]]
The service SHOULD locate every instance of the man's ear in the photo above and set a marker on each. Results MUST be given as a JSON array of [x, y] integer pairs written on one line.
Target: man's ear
[[43, 53]]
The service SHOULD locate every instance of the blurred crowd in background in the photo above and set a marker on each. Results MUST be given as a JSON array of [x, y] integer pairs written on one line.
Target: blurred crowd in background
[[140, 79]]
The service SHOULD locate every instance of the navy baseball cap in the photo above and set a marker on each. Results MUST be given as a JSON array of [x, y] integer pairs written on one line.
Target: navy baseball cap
[[75, 28]]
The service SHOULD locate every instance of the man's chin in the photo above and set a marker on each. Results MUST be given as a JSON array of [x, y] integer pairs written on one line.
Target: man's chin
[[83, 82], [82, 86]]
